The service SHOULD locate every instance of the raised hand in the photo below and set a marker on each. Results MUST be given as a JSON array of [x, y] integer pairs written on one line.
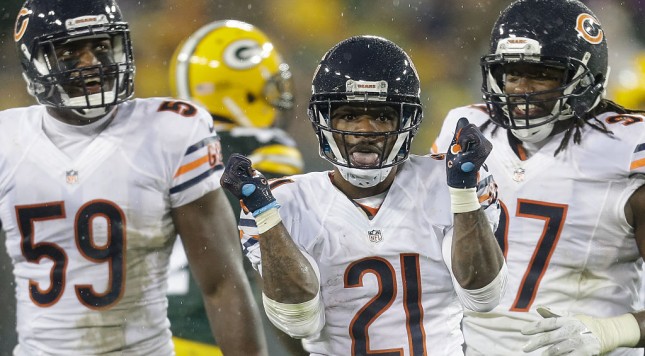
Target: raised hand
[[466, 154], [247, 184]]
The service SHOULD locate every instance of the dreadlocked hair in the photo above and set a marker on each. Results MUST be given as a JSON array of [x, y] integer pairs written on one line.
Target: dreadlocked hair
[[574, 129], [608, 105], [591, 119]]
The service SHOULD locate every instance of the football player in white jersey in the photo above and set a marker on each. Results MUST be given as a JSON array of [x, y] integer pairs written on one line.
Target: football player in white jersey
[[95, 187], [380, 254], [569, 164]]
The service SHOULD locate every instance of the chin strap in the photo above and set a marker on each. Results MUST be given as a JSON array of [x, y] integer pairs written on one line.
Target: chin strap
[[364, 178], [93, 113], [534, 135]]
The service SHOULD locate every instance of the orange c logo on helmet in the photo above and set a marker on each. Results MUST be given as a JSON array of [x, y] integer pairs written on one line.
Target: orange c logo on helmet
[[21, 24], [589, 28]]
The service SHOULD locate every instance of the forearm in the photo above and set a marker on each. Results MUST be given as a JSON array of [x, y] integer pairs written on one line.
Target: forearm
[[476, 256], [207, 229], [287, 275], [235, 321]]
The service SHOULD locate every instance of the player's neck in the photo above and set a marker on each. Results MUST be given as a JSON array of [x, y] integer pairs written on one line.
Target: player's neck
[[71, 117], [531, 148], [354, 192]]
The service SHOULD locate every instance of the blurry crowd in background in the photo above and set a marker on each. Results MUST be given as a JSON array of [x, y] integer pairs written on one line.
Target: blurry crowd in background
[[444, 38]]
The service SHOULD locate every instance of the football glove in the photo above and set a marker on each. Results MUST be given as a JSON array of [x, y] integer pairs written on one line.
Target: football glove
[[580, 335], [466, 154], [248, 185]]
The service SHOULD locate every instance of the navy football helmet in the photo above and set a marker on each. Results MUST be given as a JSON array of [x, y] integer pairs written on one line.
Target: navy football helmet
[[374, 71], [43, 27], [562, 34]]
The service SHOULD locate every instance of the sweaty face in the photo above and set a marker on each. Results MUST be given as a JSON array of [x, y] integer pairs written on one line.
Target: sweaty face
[[527, 78], [369, 132], [83, 60]]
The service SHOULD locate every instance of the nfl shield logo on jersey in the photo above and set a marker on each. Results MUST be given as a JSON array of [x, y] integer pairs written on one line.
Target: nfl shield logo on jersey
[[375, 236], [518, 174], [71, 176]]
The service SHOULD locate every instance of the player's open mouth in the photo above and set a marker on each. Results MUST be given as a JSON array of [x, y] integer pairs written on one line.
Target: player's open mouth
[[90, 84], [365, 158], [530, 110], [93, 86]]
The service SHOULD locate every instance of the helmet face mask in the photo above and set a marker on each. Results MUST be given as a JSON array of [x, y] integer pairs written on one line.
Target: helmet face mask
[[80, 87], [251, 85], [337, 142], [373, 74], [49, 47], [564, 35], [278, 91]]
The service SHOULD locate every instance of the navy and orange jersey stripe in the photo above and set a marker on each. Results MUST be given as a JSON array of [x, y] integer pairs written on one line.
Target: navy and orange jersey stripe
[[183, 186], [247, 226], [201, 144], [639, 156], [202, 159]]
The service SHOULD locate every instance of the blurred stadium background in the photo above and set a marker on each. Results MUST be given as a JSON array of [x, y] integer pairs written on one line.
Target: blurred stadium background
[[444, 38]]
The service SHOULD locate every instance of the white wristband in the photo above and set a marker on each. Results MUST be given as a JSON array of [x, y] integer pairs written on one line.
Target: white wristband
[[485, 298], [463, 200], [620, 331], [267, 220], [296, 320]]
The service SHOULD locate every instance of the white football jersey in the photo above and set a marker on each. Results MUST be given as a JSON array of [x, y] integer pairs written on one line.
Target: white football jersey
[[384, 282], [90, 236], [563, 228]]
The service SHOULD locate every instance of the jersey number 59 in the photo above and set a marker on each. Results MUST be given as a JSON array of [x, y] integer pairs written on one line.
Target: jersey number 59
[[111, 252]]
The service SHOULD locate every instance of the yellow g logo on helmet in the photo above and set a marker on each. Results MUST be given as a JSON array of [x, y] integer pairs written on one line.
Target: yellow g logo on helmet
[[233, 70], [244, 54]]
